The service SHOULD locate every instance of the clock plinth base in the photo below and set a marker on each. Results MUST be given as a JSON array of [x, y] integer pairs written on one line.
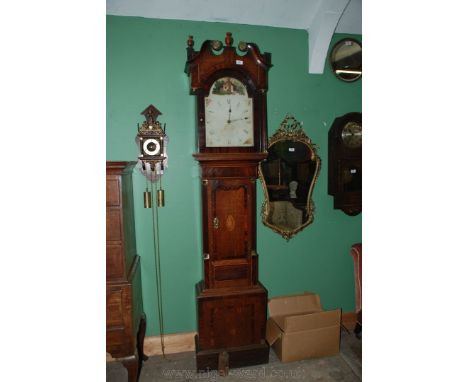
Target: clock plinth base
[[231, 320], [241, 356]]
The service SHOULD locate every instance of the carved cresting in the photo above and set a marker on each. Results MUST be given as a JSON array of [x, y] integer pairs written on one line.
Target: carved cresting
[[291, 129], [200, 65]]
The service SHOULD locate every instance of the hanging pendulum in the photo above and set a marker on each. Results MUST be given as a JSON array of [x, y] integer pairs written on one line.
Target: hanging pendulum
[[158, 266]]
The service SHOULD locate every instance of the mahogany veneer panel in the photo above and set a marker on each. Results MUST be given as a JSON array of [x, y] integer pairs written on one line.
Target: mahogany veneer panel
[[113, 225], [113, 191], [231, 317], [115, 262]]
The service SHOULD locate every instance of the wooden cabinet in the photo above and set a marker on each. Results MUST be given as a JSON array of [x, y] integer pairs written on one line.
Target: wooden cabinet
[[125, 319]]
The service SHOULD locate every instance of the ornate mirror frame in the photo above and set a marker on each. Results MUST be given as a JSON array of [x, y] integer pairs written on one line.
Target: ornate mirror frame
[[290, 130]]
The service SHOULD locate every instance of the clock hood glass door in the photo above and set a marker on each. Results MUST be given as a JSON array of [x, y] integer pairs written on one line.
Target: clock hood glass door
[[229, 115]]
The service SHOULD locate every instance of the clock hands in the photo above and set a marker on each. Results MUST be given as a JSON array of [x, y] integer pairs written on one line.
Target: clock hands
[[229, 115], [228, 100], [238, 119]]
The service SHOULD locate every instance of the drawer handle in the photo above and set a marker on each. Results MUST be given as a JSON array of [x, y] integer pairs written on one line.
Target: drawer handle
[[216, 223]]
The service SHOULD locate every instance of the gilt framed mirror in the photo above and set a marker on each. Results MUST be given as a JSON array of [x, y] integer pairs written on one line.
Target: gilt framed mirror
[[288, 176]]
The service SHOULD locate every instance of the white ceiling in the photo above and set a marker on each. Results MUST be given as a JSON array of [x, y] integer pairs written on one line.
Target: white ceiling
[[321, 18]]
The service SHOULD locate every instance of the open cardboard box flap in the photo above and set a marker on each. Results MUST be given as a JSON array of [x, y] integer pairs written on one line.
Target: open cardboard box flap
[[276, 326], [294, 304], [312, 320], [297, 313], [273, 332]]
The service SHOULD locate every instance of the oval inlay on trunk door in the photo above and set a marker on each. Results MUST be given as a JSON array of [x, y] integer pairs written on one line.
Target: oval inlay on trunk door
[[230, 223]]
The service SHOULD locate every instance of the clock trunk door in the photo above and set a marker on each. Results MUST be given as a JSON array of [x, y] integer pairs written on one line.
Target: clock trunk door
[[230, 219], [230, 203]]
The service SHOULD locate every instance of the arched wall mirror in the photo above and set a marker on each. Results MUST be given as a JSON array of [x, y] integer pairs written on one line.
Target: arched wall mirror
[[288, 177]]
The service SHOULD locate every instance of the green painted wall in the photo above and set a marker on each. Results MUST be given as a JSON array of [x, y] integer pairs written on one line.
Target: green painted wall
[[145, 64]]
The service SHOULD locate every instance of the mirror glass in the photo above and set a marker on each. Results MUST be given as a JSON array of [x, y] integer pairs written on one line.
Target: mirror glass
[[288, 176], [346, 60]]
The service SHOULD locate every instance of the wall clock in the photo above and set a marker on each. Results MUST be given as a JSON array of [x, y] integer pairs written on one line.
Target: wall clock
[[230, 88], [151, 139], [152, 159], [346, 60], [345, 163]]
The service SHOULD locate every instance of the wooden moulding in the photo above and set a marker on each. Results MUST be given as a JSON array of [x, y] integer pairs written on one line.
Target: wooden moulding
[[184, 342], [173, 343], [230, 157], [255, 354]]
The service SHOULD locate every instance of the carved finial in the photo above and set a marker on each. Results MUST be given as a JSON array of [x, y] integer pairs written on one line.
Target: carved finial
[[216, 45], [242, 46], [190, 42], [228, 40], [151, 114]]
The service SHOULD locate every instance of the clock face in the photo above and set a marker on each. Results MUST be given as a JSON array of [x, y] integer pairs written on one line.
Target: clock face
[[151, 147], [352, 135], [229, 115]]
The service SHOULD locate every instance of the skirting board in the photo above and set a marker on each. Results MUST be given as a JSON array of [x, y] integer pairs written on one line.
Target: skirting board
[[173, 343], [183, 342]]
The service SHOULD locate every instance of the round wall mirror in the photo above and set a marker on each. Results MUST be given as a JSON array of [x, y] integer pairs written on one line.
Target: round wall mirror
[[288, 176], [346, 60]]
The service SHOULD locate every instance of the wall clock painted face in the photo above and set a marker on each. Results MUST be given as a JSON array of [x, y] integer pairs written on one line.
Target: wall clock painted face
[[151, 147], [352, 135], [228, 115]]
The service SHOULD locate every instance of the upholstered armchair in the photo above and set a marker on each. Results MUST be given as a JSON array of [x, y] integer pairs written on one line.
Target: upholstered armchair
[[356, 253]]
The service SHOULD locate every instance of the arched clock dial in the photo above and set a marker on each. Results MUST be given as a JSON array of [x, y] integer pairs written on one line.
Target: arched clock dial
[[151, 147], [352, 134], [228, 115]]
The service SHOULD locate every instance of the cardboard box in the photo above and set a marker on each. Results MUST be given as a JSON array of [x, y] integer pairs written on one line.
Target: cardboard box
[[298, 328]]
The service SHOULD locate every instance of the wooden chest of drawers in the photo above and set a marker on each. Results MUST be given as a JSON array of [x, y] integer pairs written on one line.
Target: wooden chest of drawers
[[125, 319]]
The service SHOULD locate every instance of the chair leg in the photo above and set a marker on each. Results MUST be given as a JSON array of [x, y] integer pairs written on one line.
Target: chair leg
[[131, 364], [358, 327], [140, 342]]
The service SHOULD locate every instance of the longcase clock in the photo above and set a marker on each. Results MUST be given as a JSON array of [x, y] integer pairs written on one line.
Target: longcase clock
[[230, 87]]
